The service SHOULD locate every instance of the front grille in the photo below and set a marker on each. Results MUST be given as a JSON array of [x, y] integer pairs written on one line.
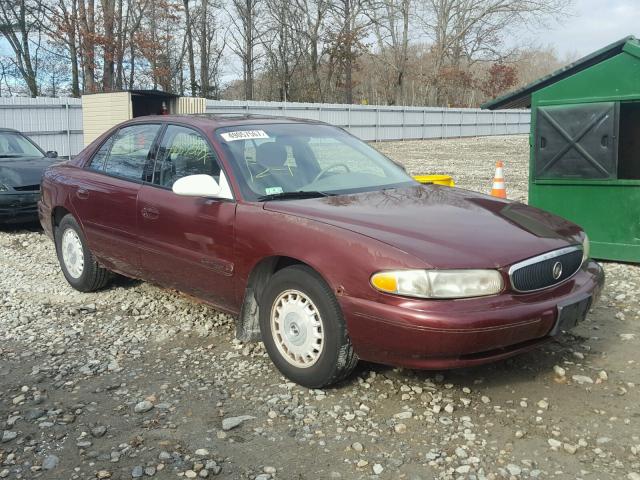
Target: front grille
[[28, 188], [542, 271]]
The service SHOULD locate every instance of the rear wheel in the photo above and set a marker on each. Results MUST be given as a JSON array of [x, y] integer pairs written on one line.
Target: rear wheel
[[303, 328], [78, 264]]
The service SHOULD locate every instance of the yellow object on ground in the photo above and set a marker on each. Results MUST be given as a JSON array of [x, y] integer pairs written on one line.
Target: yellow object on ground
[[437, 179]]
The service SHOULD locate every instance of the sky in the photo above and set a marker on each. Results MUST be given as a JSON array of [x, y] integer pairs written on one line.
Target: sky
[[593, 25]]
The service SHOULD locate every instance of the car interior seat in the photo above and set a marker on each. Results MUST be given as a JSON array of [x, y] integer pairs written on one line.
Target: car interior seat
[[272, 158]]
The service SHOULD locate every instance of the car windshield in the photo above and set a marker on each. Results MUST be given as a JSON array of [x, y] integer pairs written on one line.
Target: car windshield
[[299, 160], [13, 144]]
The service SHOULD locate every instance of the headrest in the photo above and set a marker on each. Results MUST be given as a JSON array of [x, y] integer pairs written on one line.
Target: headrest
[[271, 155]]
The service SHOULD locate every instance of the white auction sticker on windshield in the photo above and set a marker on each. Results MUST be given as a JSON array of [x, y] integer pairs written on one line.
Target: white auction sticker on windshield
[[244, 135]]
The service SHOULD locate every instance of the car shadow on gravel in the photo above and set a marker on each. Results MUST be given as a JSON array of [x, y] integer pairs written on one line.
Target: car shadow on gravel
[[120, 281], [22, 227]]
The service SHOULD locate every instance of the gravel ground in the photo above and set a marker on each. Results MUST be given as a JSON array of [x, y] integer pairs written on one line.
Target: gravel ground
[[137, 382], [470, 161]]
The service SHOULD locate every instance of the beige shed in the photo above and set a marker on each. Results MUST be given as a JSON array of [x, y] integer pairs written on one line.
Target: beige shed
[[101, 111]]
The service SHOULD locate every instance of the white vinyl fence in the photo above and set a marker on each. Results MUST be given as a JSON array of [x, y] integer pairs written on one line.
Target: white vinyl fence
[[53, 123], [380, 123], [56, 123]]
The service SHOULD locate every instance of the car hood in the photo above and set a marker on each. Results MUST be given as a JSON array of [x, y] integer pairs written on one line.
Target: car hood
[[21, 172], [444, 227]]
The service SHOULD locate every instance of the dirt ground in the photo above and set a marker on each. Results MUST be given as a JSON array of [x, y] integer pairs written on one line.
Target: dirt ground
[[138, 382]]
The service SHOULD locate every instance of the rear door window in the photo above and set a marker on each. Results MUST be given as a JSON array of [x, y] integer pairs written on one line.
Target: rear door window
[[183, 152], [129, 156]]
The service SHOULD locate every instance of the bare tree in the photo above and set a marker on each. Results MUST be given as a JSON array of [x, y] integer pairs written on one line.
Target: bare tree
[[245, 38], [135, 14], [390, 20], [212, 45], [310, 34], [190, 58], [346, 38], [61, 24], [87, 33], [108, 44], [19, 24], [283, 44]]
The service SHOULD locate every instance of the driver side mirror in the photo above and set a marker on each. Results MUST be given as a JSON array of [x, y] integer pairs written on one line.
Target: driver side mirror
[[51, 154], [202, 186]]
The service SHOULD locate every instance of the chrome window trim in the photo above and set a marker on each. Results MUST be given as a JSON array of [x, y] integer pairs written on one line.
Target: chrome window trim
[[542, 258]]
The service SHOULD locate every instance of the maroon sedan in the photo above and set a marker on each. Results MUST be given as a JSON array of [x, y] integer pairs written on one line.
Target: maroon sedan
[[326, 250]]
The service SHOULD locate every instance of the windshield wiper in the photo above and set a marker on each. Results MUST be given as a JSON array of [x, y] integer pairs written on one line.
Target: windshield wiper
[[9, 155], [294, 195]]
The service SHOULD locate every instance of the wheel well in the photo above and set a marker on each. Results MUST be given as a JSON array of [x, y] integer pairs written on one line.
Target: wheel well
[[247, 326], [57, 215]]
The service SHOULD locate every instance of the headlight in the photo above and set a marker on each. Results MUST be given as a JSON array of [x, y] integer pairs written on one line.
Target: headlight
[[3, 188], [438, 283], [585, 248]]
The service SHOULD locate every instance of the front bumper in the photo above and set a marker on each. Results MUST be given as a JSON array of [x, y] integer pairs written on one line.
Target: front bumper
[[18, 207], [441, 334]]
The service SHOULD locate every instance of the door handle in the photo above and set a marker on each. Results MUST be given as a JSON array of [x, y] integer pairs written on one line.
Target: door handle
[[82, 194], [150, 213]]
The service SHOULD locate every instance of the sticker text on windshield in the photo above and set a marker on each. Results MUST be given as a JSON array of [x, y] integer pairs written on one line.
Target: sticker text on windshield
[[244, 135]]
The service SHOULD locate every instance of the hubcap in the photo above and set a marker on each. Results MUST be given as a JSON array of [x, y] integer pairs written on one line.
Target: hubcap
[[297, 328], [72, 253]]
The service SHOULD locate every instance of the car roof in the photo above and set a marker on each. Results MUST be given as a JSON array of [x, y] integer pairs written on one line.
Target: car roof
[[12, 130], [215, 120]]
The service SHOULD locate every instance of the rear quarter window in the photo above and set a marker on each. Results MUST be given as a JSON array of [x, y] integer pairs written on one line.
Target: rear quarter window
[[99, 158]]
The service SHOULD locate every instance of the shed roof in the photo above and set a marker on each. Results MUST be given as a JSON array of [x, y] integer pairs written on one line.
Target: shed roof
[[521, 98], [147, 93], [153, 93]]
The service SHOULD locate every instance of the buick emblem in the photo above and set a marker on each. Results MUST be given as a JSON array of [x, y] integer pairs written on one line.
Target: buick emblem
[[557, 270]]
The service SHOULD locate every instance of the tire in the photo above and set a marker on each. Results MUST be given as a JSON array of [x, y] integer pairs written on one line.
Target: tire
[[297, 300], [78, 264]]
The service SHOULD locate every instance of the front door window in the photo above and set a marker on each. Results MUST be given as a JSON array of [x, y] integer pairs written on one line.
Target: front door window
[[183, 152]]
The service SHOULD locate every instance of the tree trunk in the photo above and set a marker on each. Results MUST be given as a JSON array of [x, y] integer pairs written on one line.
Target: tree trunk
[[87, 43], [348, 65], [75, 80], [30, 74], [108, 62], [73, 50], [248, 60], [204, 50], [121, 33], [403, 53], [192, 67], [132, 62]]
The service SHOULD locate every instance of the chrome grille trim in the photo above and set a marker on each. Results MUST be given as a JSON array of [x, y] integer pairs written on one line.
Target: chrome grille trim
[[541, 258]]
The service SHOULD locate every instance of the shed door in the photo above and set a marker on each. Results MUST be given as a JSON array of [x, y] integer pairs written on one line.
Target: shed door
[[577, 141]]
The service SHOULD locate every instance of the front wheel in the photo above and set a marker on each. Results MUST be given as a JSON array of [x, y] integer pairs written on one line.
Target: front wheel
[[76, 260], [303, 328]]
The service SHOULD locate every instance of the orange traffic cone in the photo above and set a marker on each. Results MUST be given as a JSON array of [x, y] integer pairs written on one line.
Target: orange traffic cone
[[498, 189]]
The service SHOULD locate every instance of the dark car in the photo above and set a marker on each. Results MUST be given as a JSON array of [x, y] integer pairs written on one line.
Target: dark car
[[326, 250], [22, 164]]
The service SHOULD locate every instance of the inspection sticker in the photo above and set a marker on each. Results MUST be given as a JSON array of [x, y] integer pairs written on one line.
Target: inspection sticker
[[273, 190], [244, 135]]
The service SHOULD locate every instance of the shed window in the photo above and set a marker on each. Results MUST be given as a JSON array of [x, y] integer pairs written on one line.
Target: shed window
[[576, 141], [592, 141], [629, 150]]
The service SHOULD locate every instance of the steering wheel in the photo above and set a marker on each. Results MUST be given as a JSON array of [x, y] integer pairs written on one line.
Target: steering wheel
[[326, 170]]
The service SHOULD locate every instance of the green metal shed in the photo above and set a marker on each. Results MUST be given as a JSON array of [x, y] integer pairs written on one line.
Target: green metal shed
[[585, 146]]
